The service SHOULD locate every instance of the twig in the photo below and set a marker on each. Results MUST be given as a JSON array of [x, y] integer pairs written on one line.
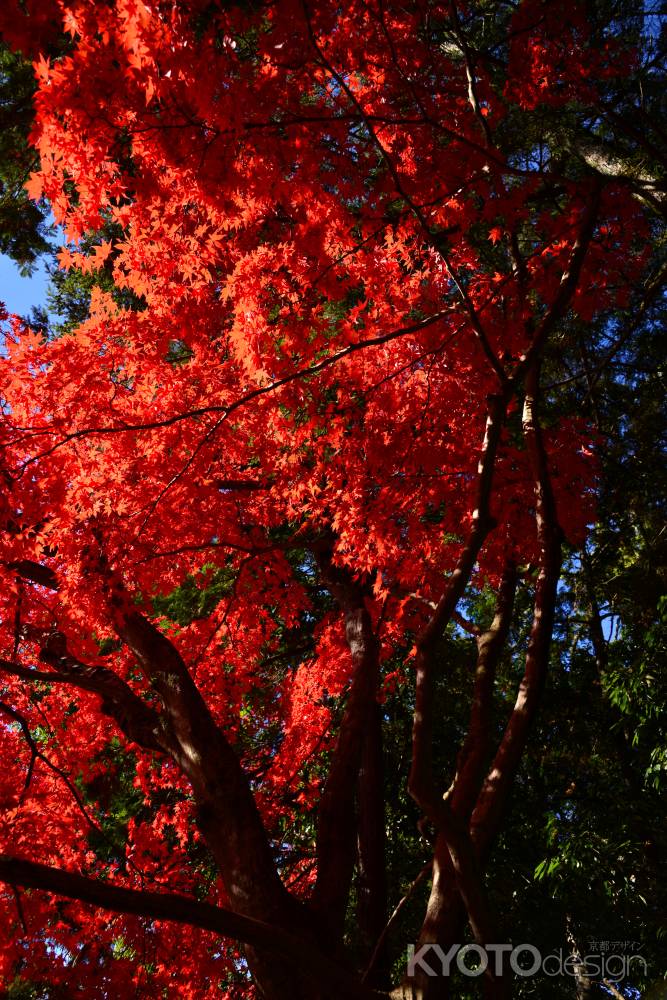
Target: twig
[[394, 917]]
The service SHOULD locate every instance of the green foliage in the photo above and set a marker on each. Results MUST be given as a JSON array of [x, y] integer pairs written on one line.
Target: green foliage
[[24, 230], [68, 293], [196, 598], [117, 801]]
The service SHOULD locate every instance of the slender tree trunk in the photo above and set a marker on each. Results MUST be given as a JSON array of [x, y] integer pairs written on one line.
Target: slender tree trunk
[[337, 820], [582, 980], [372, 882]]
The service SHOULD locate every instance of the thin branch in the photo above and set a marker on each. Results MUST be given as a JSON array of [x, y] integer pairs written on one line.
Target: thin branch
[[37, 754], [615, 992], [414, 207], [567, 287], [473, 97], [19, 909], [654, 287], [394, 917], [420, 782], [137, 720], [228, 409]]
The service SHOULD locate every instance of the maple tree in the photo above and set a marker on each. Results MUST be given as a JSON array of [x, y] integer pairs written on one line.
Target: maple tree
[[314, 409]]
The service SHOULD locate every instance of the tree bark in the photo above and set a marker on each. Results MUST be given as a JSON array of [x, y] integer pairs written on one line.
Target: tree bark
[[446, 913], [492, 800], [336, 845], [325, 977], [421, 780], [372, 877]]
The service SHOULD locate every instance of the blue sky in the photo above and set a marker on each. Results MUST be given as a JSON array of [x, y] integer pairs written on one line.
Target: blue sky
[[20, 294]]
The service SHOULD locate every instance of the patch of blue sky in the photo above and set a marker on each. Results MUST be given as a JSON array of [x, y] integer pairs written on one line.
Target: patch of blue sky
[[19, 293]]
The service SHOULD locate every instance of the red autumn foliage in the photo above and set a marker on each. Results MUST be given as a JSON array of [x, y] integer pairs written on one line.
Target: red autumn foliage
[[340, 281]]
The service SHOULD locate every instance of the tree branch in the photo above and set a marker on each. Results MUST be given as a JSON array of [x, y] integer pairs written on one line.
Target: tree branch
[[490, 646], [568, 284], [416, 209], [488, 811], [336, 820], [137, 720], [181, 909], [35, 572], [420, 782], [228, 812], [226, 410], [407, 896]]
